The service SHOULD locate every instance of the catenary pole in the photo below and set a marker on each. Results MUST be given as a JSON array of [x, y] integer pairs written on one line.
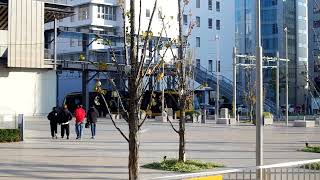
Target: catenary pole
[[259, 94]]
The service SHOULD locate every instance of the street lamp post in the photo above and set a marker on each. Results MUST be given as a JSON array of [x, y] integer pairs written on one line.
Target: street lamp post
[[287, 79], [259, 94], [218, 83]]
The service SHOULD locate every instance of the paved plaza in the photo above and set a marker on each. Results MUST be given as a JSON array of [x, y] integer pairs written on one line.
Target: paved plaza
[[40, 157]]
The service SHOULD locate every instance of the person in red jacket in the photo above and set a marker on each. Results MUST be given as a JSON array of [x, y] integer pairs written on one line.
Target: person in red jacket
[[79, 114]]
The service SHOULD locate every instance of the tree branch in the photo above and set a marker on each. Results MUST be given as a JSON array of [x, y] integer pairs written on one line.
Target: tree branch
[[138, 36], [143, 56], [175, 130], [115, 87], [124, 34], [148, 108], [113, 122]]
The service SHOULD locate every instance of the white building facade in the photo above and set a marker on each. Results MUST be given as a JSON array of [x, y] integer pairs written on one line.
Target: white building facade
[[105, 17], [213, 36]]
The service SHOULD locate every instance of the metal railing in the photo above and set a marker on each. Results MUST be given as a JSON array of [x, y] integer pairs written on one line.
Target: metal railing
[[226, 86], [8, 121], [56, 1], [300, 170]]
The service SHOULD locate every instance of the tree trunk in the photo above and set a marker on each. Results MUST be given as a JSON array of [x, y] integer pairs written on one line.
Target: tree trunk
[[182, 88], [182, 141], [133, 149], [133, 120]]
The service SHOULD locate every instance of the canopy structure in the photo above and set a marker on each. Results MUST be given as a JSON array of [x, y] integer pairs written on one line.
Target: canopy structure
[[51, 11]]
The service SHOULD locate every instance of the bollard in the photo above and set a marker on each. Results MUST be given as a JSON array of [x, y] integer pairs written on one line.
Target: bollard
[[21, 126], [204, 116]]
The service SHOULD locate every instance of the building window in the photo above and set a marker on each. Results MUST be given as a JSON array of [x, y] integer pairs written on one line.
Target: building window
[[107, 12], [210, 23], [218, 6], [198, 62], [217, 24], [198, 21], [185, 19], [210, 66], [198, 4], [72, 42], [72, 18], [197, 41], [83, 12], [274, 29], [147, 12], [210, 4]]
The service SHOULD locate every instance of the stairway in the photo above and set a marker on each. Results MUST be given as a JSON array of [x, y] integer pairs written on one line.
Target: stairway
[[202, 75]]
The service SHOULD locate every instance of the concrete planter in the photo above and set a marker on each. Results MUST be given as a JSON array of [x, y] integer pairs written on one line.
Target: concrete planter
[[268, 121], [302, 123]]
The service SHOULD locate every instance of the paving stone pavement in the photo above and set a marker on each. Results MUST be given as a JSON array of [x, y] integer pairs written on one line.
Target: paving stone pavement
[[40, 157]]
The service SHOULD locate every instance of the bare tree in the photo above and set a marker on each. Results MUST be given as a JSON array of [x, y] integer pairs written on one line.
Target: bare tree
[[137, 75], [183, 75]]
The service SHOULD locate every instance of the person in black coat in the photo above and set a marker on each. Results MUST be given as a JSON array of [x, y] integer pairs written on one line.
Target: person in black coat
[[53, 117], [92, 118], [65, 117]]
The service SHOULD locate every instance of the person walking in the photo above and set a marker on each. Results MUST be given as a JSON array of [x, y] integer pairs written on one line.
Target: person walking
[[65, 117], [92, 118], [53, 117], [80, 114]]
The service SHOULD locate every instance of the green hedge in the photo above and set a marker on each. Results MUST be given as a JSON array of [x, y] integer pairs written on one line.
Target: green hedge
[[9, 135]]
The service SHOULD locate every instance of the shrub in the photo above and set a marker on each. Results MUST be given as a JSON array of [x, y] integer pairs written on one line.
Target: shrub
[[193, 112], [313, 149], [9, 135], [313, 166], [175, 165], [267, 115]]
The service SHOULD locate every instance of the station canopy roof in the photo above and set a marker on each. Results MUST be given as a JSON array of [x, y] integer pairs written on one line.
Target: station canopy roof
[[51, 11]]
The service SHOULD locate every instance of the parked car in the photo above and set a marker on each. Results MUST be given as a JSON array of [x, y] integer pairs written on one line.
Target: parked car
[[242, 109]]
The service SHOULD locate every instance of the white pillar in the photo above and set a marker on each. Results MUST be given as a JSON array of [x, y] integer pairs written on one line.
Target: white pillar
[[287, 79], [235, 83], [277, 87]]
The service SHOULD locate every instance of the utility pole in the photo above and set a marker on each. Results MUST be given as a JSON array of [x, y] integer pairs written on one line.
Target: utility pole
[[218, 79], [287, 79], [55, 26], [235, 83], [259, 94], [277, 86]]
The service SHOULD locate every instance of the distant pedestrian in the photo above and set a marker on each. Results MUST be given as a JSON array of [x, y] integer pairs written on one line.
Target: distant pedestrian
[[65, 116], [53, 117], [92, 118], [80, 114]]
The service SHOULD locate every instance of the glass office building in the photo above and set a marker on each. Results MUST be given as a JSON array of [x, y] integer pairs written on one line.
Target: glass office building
[[276, 15]]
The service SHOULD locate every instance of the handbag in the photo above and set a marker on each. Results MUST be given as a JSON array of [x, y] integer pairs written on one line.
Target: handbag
[[87, 125]]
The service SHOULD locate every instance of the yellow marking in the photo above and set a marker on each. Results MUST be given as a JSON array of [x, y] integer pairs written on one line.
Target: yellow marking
[[207, 178]]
